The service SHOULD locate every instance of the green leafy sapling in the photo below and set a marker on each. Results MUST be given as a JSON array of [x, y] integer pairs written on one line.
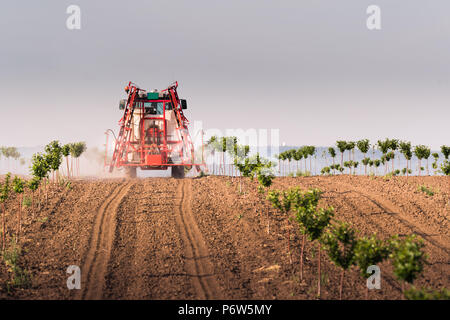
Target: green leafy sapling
[[407, 258], [340, 242], [364, 146], [19, 187], [384, 146], [314, 221], [405, 149], [4, 194], [54, 156], [394, 144], [421, 152], [445, 151], [369, 251], [33, 185], [65, 151], [414, 293], [342, 146], [282, 201], [303, 202]]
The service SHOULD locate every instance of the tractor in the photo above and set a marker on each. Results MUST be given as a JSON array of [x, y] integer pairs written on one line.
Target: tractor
[[153, 133]]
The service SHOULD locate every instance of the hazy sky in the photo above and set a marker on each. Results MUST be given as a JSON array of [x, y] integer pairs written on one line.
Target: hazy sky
[[309, 68]]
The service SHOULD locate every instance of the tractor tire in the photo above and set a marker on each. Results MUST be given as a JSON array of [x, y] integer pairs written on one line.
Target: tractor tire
[[131, 172], [178, 172]]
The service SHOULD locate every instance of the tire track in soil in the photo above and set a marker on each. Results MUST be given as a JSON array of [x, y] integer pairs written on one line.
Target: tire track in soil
[[102, 237], [197, 259], [397, 213], [390, 212]]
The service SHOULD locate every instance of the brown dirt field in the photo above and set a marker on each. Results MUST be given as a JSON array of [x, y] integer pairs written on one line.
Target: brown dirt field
[[161, 238]]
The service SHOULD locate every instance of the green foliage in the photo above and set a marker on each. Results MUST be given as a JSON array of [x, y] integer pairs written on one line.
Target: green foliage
[[312, 220], [422, 152], [407, 257], [384, 145], [265, 175], [311, 150], [365, 161], [394, 144], [341, 145], [300, 173], [54, 155], [18, 185], [315, 221], [298, 154], [10, 152], [20, 277], [332, 152], [40, 166], [223, 144], [390, 156], [351, 145], [377, 163], [445, 167], [405, 149], [369, 251], [325, 170], [26, 202], [308, 199], [34, 183], [427, 294], [426, 190], [281, 200], [337, 167], [65, 150], [445, 151], [405, 170], [363, 145], [5, 188], [77, 149], [340, 242]]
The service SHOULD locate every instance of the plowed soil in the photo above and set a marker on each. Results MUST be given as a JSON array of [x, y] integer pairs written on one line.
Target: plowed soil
[[201, 238]]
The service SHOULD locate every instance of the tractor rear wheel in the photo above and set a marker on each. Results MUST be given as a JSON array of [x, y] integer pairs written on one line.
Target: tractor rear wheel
[[178, 172], [131, 172]]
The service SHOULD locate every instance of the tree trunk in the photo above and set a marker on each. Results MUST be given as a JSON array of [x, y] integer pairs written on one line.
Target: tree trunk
[[19, 220], [32, 203], [318, 282], [407, 173], [393, 159], [46, 192], [3, 228], [301, 257], [289, 241], [342, 284], [68, 171], [223, 163]]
